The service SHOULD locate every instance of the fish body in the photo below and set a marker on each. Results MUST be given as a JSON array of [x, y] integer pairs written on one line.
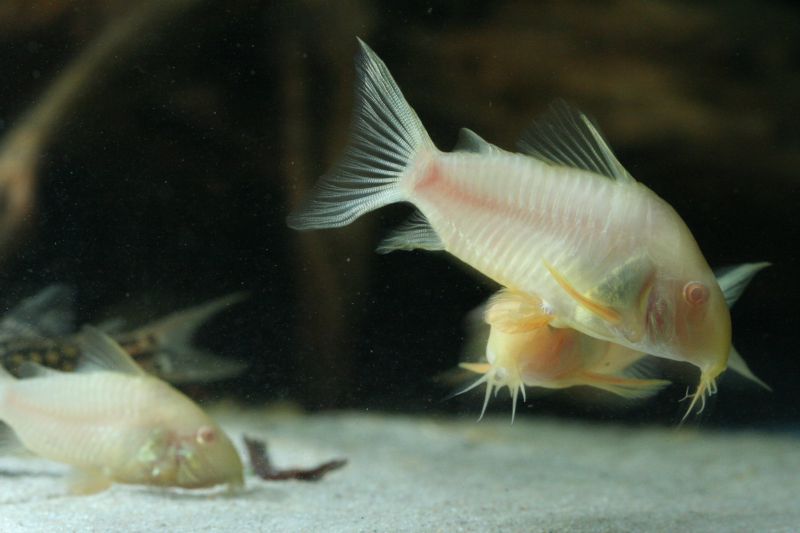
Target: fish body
[[41, 330], [562, 220], [114, 423], [518, 220], [524, 351]]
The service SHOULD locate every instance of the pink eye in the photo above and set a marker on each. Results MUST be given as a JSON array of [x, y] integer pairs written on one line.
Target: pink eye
[[695, 293], [205, 435]]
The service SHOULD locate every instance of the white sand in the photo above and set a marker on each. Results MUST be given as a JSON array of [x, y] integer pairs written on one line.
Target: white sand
[[438, 474]]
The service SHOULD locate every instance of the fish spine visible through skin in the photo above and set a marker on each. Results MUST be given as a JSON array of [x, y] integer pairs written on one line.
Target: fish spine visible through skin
[[503, 214]]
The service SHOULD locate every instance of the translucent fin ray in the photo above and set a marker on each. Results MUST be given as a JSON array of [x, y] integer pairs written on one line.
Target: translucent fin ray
[[738, 365], [48, 313], [469, 141], [100, 352], [564, 136], [606, 313], [385, 141], [413, 234], [734, 280], [631, 388]]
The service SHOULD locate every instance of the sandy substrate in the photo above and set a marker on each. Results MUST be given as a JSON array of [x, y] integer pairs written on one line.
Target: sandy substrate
[[440, 474]]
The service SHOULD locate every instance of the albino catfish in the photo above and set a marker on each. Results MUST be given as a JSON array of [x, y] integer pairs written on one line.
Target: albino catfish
[[557, 358], [562, 220], [114, 423]]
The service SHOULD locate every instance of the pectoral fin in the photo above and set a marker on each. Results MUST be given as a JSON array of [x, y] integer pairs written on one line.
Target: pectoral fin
[[606, 313], [478, 368], [85, 482]]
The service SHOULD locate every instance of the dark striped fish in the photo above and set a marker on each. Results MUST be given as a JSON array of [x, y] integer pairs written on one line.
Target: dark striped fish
[[41, 330]]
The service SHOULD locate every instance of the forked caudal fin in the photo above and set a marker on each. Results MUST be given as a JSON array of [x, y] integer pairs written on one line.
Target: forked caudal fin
[[386, 141]]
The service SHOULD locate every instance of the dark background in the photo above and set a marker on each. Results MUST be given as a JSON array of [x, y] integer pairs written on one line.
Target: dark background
[[166, 181]]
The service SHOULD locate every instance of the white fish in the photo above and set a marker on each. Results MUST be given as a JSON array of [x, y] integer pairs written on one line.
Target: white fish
[[521, 350], [115, 423], [563, 220], [552, 358]]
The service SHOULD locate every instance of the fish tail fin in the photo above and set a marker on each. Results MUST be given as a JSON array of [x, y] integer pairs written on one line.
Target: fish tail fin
[[180, 360], [175, 331], [387, 151]]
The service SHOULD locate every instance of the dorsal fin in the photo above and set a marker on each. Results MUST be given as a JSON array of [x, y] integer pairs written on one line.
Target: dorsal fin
[[48, 313], [733, 280], [100, 352], [469, 141], [565, 136], [414, 233]]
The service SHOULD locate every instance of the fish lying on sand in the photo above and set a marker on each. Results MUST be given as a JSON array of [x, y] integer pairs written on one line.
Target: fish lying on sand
[[40, 329], [114, 423], [562, 220]]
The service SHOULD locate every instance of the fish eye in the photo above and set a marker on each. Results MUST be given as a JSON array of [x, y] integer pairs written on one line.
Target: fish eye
[[695, 293], [205, 435]]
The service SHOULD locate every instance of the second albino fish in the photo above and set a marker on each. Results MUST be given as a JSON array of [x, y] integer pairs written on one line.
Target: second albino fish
[[552, 358], [114, 423], [562, 220], [522, 350], [41, 329]]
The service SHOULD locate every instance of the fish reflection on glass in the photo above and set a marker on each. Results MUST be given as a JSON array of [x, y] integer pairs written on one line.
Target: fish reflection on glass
[[40, 330], [562, 220], [114, 423]]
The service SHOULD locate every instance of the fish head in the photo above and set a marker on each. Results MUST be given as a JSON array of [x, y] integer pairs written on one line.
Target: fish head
[[502, 354], [195, 456], [688, 320], [206, 457]]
